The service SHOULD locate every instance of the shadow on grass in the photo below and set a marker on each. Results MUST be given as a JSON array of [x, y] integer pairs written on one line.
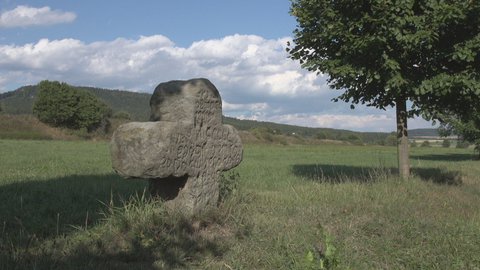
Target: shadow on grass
[[48, 208], [327, 173], [172, 247], [444, 157], [34, 213]]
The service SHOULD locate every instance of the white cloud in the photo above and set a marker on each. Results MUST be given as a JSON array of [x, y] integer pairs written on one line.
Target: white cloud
[[23, 16], [254, 75], [379, 122], [248, 107]]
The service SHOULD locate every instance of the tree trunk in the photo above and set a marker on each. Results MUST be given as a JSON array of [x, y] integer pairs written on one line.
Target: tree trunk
[[402, 138]]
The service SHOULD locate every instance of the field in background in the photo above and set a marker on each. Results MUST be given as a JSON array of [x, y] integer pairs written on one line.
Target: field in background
[[289, 207]]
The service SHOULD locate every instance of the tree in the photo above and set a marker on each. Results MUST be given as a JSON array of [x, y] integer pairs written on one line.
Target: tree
[[467, 129], [61, 105], [446, 143], [385, 53]]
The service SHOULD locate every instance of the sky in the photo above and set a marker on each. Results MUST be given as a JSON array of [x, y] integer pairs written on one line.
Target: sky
[[134, 45]]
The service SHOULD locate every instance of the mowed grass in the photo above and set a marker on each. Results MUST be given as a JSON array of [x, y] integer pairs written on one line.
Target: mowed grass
[[292, 207]]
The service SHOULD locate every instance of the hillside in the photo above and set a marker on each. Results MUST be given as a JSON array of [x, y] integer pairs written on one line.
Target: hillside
[[423, 132], [28, 127], [21, 101]]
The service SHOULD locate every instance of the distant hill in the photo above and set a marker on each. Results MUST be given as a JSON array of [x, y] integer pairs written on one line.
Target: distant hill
[[21, 101], [318, 133], [423, 132]]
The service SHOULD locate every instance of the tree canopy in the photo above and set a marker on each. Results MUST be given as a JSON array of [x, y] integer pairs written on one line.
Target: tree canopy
[[385, 53], [61, 105], [467, 129], [380, 50]]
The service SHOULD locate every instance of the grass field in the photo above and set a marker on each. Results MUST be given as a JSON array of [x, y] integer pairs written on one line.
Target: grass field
[[290, 207]]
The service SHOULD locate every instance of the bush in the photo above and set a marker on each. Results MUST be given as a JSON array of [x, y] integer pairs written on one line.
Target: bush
[[425, 144], [61, 105], [321, 136], [228, 185], [391, 140], [413, 144], [446, 143], [462, 144], [122, 115]]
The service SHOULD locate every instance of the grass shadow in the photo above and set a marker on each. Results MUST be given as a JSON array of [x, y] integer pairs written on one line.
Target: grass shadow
[[327, 173], [440, 176], [444, 157], [38, 218], [48, 208], [172, 246]]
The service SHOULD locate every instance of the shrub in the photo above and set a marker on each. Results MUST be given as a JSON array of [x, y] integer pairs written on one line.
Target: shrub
[[228, 185], [321, 136], [425, 144], [391, 139], [462, 144], [61, 105], [122, 115], [446, 143]]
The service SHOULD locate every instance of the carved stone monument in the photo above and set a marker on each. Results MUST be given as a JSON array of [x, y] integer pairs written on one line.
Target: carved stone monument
[[184, 149]]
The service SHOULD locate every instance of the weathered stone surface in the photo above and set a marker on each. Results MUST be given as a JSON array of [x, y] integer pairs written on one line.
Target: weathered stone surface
[[185, 148]]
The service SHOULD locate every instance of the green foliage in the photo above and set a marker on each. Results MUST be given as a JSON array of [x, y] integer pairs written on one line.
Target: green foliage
[[391, 139], [61, 105], [425, 144], [263, 133], [323, 256], [462, 144], [228, 186], [446, 143], [466, 127], [122, 115], [136, 104], [21, 101], [321, 135], [426, 52], [383, 54], [413, 144]]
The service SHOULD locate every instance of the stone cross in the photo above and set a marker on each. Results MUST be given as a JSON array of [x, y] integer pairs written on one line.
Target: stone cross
[[184, 149]]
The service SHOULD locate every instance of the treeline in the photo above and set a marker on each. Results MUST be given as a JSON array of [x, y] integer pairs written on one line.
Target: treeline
[[266, 130], [134, 106]]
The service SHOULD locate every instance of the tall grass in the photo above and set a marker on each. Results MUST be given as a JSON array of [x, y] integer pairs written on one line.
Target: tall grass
[[288, 207]]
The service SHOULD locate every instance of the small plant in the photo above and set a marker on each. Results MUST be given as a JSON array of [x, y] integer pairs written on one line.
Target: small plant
[[228, 185], [323, 255]]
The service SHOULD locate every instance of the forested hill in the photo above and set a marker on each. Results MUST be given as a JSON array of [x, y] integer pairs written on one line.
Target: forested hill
[[137, 105], [21, 101]]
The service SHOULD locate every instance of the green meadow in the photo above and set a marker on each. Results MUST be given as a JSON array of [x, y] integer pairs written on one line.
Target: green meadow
[[285, 207]]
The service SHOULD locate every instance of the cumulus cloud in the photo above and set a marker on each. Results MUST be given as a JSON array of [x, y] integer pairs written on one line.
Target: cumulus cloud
[[379, 122], [254, 75], [23, 16]]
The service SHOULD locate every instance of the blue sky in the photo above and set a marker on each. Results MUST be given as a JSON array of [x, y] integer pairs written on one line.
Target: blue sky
[[134, 45]]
